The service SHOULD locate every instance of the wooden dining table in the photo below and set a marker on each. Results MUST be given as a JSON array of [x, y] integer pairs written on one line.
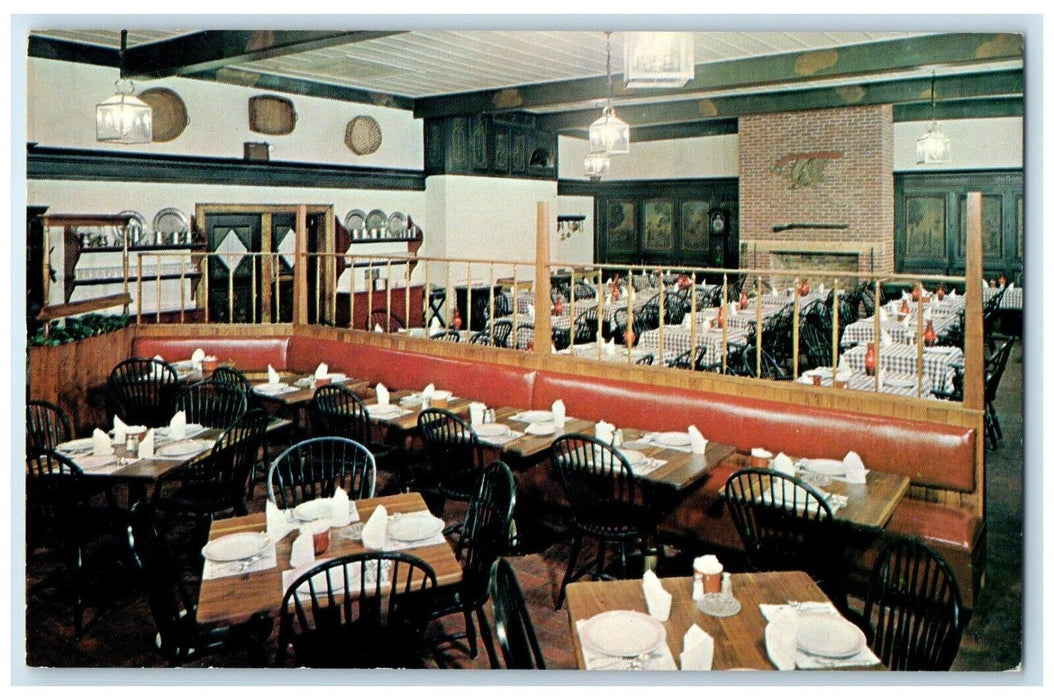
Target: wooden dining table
[[235, 599], [739, 640], [869, 505]]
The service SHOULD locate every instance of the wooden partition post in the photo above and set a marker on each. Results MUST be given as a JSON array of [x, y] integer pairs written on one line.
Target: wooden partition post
[[300, 270], [543, 324], [973, 347]]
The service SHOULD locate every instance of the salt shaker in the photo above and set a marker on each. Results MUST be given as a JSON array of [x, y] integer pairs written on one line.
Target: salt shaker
[[726, 584], [697, 586], [131, 444], [616, 439]]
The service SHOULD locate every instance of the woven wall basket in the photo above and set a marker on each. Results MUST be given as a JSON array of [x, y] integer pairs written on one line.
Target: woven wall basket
[[363, 135], [169, 113], [272, 115]]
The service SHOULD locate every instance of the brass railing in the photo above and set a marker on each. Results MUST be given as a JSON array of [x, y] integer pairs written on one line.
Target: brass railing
[[443, 297]]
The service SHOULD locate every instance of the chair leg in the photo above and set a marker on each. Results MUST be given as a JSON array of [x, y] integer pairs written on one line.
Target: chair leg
[[488, 639], [470, 634], [572, 560], [78, 591]]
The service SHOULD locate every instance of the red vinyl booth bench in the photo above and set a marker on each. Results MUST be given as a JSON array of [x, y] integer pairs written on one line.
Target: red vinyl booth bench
[[932, 455]]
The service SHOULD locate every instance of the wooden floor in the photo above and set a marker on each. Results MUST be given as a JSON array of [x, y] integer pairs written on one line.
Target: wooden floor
[[122, 634]]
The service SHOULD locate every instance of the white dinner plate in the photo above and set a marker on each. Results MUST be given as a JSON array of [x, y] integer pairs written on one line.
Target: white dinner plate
[[625, 633], [240, 545], [633, 457], [412, 527], [673, 439], [386, 411], [829, 635], [491, 430], [78, 445], [540, 429], [272, 387], [899, 382], [830, 467], [537, 416], [313, 510], [184, 448]]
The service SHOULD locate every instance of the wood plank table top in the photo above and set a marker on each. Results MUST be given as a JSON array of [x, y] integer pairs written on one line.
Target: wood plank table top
[[457, 405], [304, 395], [739, 640], [682, 469], [151, 470], [870, 505], [235, 599]]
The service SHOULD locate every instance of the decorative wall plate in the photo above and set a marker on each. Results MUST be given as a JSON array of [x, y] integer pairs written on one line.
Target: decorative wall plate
[[397, 224], [171, 220], [363, 135], [271, 114], [355, 220], [169, 113], [376, 219]]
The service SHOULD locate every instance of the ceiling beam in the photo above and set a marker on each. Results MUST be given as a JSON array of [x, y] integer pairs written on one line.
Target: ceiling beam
[[961, 109], [664, 132], [858, 60], [199, 52], [996, 84], [300, 86], [72, 51]]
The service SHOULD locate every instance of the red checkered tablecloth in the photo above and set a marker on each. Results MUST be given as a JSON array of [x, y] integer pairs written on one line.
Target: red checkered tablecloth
[[863, 331], [900, 358]]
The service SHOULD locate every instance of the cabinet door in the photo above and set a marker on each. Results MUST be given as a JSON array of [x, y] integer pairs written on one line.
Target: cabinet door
[[234, 276], [926, 239]]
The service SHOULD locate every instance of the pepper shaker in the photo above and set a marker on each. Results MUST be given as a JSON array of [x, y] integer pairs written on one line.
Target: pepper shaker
[[697, 587], [726, 584]]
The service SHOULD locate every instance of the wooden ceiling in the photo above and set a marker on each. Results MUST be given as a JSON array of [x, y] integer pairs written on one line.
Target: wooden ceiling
[[559, 76]]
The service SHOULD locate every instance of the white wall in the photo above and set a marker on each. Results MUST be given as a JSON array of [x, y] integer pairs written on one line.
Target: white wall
[[62, 98], [579, 247], [975, 144], [699, 157]]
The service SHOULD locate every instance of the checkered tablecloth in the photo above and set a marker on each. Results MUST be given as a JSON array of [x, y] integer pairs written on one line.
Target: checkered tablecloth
[[899, 384], [1012, 299], [900, 358], [589, 351], [677, 340], [950, 306], [863, 331]]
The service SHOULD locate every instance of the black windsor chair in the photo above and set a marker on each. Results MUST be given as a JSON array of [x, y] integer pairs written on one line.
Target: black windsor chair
[[314, 468], [512, 620], [143, 391]]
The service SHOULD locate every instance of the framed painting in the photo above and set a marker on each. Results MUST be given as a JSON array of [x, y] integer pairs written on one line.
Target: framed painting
[[991, 225], [658, 224], [695, 226], [621, 227], [926, 229]]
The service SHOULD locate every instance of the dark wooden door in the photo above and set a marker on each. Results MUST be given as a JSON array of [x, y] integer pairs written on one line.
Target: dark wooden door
[[235, 274]]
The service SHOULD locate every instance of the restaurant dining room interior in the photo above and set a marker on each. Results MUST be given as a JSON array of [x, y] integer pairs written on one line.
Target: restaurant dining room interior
[[433, 345]]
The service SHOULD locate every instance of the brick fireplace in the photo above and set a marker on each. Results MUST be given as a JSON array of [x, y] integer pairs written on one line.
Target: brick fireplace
[[816, 190]]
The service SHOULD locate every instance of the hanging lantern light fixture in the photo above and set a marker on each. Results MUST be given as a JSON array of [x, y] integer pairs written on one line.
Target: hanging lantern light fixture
[[597, 165], [658, 59], [933, 146], [609, 133], [124, 118]]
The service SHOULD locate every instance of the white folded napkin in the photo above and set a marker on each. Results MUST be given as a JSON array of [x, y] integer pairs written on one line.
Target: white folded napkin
[[197, 357], [855, 473], [272, 376], [146, 447], [382, 394], [476, 411], [339, 509], [377, 328], [375, 531], [427, 392], [781, 639], [120, 429], [698, 654], [658, 598], [303, 551], [322, 371], [686, 321], [100, 443], [530, 311], [904, 294], [278, 523], [177, 427], [559, 414], [1010, 286], [159, 358], [775, 292], [882, 314], [887, 339], [952, 292], [783, 464], [697, 440], [821, 289], [604, 432], [609, 347], [984, 282], [906, 320], [435, 326]]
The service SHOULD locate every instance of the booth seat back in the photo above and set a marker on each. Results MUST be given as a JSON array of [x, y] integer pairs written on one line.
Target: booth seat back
[[247, 353], [930, 454], [496, 385]]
